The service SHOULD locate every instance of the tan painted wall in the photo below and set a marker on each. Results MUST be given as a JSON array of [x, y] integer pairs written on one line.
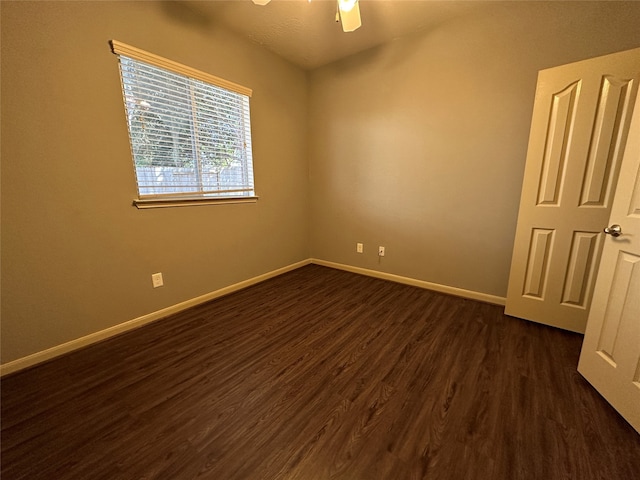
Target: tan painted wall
[[420, 145], [76, 256]]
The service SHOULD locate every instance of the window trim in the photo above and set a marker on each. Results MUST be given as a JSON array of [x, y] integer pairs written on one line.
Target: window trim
[[181, 200], [120, 48], [188, 201]]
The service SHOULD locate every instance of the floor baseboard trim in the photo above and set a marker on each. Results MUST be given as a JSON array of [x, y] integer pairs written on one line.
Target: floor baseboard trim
[[458, 292], [58, 350]]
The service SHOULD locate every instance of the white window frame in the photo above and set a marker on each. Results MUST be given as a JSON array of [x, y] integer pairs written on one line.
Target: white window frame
[[153, 189]]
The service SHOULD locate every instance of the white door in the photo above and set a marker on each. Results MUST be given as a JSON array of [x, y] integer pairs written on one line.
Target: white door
[[578, 132], [610, 357]]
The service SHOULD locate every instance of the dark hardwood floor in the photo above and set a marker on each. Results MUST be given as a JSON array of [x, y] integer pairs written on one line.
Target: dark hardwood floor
[[319, 374]]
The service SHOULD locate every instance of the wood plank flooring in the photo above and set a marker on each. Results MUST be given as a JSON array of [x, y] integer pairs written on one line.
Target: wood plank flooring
[[318, 374]]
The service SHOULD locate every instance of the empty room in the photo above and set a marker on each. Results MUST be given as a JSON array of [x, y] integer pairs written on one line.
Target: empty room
[[320, 239]]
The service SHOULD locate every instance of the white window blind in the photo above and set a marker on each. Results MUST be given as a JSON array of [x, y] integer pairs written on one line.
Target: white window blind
[[190, 132]]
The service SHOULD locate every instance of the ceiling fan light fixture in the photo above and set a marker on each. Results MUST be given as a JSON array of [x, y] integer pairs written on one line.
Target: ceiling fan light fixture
[[349, 14], [261, 2]]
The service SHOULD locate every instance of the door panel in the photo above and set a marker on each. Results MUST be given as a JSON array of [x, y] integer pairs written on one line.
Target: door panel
[[537, 266], [578, 132], [581, 269], [610, 356], [606, 143], [561, 127]]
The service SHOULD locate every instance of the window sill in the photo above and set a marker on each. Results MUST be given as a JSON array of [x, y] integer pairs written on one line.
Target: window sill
[[189, 202]]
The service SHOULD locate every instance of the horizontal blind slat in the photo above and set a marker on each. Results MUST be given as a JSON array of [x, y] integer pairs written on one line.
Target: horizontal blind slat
[[151, 90]]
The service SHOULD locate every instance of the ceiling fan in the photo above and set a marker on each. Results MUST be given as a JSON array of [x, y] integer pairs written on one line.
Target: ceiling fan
[[348, 13]]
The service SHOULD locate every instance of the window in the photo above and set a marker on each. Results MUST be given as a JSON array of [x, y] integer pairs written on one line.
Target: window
[[190, 132]]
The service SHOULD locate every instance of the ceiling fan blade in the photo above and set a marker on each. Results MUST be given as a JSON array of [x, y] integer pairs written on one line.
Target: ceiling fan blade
[[349, 15]]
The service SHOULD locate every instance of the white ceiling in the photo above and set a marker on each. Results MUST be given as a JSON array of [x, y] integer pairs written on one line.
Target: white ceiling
[[306, 33]]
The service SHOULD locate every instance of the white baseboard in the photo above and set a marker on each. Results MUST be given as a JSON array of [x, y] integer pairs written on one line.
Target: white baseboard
[[458, 292], [50, 353], [81, 342]]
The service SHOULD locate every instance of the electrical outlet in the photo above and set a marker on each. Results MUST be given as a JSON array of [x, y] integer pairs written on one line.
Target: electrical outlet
[[381, 251], [359, 247], [156, 279]]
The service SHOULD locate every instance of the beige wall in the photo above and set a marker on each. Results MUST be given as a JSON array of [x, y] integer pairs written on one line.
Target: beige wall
[[76, 256], [420, 145]]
